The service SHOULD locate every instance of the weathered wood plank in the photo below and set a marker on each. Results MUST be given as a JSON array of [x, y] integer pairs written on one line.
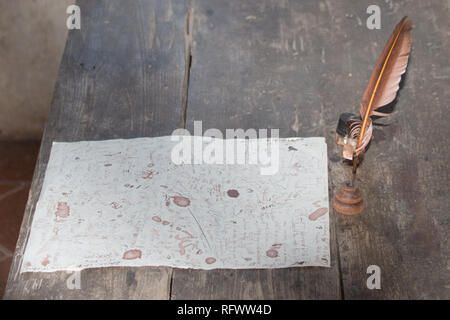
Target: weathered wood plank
[[404, 177], [297, 66], [121, 76], [258, 64]]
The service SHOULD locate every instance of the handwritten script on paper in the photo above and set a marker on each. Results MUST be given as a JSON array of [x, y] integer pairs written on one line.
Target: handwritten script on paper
[[125, 203]]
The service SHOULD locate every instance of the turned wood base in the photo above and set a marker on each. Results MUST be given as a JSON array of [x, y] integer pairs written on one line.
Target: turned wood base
[[348, 200]]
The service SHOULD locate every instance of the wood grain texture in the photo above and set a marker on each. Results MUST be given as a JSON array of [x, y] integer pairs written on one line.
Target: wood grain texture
[[121, 76], [251, 70], [267, 64], [296, 67], [404, 177]]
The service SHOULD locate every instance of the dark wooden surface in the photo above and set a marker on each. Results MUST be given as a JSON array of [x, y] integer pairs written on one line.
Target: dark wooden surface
[[147, 67], [122, 76]]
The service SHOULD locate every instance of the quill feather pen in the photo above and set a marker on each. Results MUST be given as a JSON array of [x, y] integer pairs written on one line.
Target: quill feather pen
[[383, 84]]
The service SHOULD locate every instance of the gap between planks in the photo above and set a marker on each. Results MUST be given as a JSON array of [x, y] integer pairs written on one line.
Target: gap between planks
[[187, 64]]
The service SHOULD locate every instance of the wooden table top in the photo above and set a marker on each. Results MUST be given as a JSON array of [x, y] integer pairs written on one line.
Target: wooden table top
[[148, 67]]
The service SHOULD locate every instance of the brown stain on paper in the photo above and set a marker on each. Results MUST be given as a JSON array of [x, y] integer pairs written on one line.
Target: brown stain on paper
[[147, 174], [317, 214], [132, 254], [46, 261], [115, 205], [210, 260], [181, 201], [62, 210], [232, 193], [156, 219], [273, 252], [185, 242]]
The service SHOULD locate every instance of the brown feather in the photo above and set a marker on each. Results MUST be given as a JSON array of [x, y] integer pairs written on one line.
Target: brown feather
[[384, 82]]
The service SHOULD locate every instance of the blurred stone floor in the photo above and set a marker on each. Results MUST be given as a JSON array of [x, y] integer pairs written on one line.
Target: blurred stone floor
[[32, 38], [17, 161]]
